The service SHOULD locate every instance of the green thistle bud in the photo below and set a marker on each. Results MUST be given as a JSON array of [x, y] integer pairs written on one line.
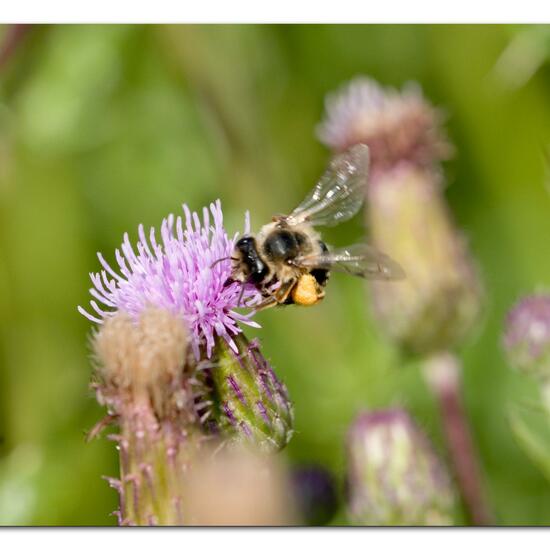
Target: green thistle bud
[[439, 300], [437, 303], [250, 403], [394, 476]]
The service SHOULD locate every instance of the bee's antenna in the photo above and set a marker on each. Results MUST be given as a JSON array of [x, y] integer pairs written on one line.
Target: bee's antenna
[[222, 260]]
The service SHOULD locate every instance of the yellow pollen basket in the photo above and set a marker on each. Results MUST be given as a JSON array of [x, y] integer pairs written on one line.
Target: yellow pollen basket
[[306, 292]]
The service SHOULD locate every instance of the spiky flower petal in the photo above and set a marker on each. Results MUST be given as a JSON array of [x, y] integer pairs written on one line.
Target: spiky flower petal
[[179, 273]]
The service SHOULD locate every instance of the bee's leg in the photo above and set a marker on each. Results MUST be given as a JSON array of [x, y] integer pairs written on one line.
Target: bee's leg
[[240, 295], [283, 292], [278, 297], [267, 303]]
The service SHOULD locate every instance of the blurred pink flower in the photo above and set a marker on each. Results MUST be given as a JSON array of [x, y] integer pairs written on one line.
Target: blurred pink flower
[[400, 127]]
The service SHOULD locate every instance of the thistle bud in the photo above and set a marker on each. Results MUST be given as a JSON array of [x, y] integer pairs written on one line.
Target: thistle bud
[[315, 493], [236, 486], [433, 308], [527, 336], [143, 380], [439, 299], [251, 404], [142, 362], [394, 476]]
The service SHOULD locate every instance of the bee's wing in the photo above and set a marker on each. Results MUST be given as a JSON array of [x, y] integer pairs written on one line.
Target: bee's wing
[[360, 260], [339, 193]]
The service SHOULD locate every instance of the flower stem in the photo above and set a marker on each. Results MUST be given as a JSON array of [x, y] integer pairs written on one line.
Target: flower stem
[[442, 372], [153, 457]]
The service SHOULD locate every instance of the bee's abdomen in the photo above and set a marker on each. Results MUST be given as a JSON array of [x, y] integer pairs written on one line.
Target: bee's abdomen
[[321, 275]]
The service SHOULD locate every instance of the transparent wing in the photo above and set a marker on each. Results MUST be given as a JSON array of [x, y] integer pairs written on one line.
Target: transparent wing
[[360, 260], [339, 193]]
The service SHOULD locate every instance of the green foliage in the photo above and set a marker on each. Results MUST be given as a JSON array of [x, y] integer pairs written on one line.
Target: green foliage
[[105, 127], [531, 426]]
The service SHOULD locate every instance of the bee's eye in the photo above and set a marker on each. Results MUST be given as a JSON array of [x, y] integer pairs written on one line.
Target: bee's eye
[[245, 244]]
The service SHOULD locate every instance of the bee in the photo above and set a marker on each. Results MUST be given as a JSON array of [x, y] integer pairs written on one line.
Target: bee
[[288, 262]]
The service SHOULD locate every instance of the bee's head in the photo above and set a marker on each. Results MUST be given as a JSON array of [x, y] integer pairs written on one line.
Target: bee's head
[[245, 244], [250, 266]]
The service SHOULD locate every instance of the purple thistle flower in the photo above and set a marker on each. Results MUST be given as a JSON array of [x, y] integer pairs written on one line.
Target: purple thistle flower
[[177, 274]]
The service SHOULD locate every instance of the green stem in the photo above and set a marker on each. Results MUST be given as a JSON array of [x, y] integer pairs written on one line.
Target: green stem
[[153, 456]]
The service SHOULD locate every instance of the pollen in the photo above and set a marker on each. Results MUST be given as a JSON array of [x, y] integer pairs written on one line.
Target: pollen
[[306, 292]]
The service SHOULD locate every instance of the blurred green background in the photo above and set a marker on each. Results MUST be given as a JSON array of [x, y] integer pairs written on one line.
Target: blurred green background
[[105, 127]]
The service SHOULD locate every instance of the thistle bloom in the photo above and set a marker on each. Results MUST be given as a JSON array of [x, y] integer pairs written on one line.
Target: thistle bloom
[[438, 301], [171, 305], [178, 274], [527, 336], [394, 476]]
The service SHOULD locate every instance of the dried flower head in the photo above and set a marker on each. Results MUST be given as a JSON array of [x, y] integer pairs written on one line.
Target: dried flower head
[[143, 361], [394, 476], [177, 274], [399, 127], [527, 336]]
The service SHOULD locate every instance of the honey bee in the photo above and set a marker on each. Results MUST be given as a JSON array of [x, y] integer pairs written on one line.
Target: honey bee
[[288, 261]]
